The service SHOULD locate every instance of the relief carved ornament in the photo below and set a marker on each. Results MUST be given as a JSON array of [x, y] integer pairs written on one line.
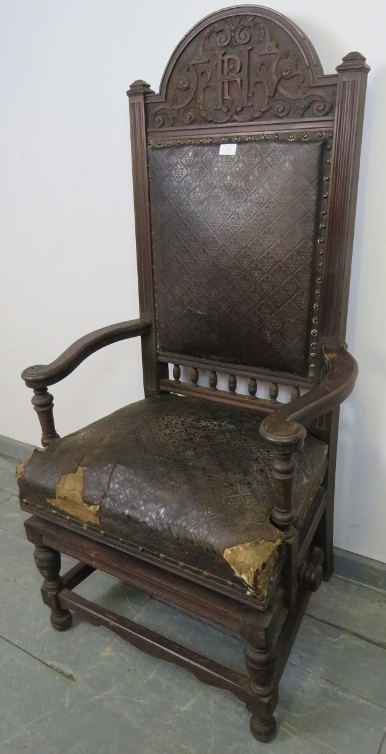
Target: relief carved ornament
[[240, 69]]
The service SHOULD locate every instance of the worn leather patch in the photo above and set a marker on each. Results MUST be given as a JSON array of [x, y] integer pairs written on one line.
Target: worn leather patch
[[69, 497], [20, 466], [255, 562]]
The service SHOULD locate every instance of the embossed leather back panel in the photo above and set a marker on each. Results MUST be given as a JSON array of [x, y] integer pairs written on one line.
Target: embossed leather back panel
[[234, 245]]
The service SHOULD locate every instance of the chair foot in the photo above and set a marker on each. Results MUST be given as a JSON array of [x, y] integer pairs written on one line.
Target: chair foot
[[263, 730], [61, 620], [48, 562]]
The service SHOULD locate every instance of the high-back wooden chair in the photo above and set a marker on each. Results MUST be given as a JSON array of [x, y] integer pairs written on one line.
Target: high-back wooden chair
[[216, 498]]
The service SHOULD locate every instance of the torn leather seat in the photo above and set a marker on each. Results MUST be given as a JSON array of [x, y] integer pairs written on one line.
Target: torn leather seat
[[178, 479]]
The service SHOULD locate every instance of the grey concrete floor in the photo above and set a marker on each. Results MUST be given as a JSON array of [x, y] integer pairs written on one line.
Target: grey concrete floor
[[88, 692]]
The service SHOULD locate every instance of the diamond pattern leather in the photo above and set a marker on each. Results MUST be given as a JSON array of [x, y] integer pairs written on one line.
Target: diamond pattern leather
[[234, 245], [180, 477]]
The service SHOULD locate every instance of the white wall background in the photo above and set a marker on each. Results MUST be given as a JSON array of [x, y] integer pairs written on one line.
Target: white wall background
[[66, 221]]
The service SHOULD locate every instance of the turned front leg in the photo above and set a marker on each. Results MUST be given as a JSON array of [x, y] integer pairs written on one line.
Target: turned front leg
[[259, 630], [48, 562], [263, 690]]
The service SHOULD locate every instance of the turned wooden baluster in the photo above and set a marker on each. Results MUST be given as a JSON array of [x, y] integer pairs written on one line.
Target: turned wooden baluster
[[176, 373], [43, 403], [232, 383], [273, 391], [194, 375], [213, 380], [283, 469], [252, 387], [295, 393], [283, 515], [48, 562]]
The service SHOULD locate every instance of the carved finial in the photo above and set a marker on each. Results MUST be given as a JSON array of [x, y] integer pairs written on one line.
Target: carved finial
[[138, 87], [353, 60]]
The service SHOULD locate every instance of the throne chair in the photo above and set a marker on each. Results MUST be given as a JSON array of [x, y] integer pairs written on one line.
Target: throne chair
[[215, 493]]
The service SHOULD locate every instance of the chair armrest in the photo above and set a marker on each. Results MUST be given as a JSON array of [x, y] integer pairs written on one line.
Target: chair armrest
[[284, 433], [284, 426], [39, 376]]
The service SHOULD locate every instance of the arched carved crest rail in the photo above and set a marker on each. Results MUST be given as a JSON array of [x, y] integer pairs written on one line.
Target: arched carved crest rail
[[240, 67]]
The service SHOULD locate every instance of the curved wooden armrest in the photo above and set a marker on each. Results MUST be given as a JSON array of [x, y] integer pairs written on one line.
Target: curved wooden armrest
[[282, 427], [40, 376], [285, 433]]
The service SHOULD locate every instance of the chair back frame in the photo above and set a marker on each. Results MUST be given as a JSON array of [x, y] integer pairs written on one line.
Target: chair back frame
[[249, 74]]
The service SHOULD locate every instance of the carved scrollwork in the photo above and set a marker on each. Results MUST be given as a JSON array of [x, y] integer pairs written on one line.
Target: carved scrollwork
[[240, 70]]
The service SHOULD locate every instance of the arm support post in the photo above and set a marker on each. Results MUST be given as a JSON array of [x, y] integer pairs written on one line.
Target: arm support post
[[283, 470], [43, 403]]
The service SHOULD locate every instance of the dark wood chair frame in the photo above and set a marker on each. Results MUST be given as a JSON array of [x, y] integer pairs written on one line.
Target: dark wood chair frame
[[269, 633]]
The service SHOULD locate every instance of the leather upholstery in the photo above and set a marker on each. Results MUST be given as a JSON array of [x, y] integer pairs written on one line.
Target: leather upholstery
[[234, 244], [183, 479]]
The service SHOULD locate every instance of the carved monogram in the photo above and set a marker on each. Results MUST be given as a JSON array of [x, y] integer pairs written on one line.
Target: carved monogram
[[236, 71]]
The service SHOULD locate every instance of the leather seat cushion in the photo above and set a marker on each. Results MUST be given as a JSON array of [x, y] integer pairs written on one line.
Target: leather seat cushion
[[184, 480]]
